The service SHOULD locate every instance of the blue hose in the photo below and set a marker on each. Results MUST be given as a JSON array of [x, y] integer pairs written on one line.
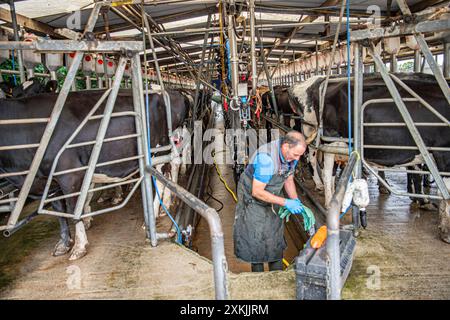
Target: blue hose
[[14, 68], [179, 238]]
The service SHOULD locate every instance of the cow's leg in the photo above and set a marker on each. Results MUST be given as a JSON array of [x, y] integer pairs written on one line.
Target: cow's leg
[[444, 216], [327, 177], [160, 188], [79, 250], [312, 155], [118, 195], [381, 188], [65, 242], [71, 183], [174, 173], [87, 208]]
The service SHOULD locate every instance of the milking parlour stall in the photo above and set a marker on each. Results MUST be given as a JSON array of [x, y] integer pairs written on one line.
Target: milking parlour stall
[[225, 150]]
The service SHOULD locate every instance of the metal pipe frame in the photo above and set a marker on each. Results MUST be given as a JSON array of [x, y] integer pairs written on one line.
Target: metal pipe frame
[[400, 103], [333, 242], [393, 191], [56, 112], [95, 153], [220, 264], [98, 212], [67, 145]]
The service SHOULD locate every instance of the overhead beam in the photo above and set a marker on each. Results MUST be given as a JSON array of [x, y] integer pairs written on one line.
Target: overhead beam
[[29, 24]]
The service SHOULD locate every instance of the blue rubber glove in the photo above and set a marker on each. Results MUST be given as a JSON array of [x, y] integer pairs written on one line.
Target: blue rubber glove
[[294, 205]]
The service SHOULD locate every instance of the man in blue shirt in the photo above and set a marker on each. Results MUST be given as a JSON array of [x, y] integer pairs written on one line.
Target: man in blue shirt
[[258, 231]]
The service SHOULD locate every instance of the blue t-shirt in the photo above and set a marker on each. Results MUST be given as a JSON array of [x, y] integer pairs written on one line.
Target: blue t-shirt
[[264, 167]]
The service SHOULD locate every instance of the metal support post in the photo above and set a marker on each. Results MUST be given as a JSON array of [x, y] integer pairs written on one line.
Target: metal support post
[[417, 59], [143, 143], [447, 59], [357, 102], [16, 38]]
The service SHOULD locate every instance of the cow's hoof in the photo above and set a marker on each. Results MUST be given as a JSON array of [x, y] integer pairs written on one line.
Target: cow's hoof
[[445, 236], [100, 200], [116, 200], [428, 206], [87, 222], [77, 253], [61, 248], [383, 190]]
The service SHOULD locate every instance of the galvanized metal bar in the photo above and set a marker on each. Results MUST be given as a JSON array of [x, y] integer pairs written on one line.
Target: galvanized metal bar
[[215, 228], [55, 46], [114, 115], [402, 124], [98, 165], [333, 241], [447, 59], [19, 146], [358, 89], [411, 171], [143, 146], [433, 65], [410, 123], [12, 174], [87, 143], [395, 192], [373, 146], [24, 121], [95, 153], [109, 186]]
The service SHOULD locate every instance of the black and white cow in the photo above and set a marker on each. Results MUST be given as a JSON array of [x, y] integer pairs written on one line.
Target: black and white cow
[[77, 106], [335, 124]]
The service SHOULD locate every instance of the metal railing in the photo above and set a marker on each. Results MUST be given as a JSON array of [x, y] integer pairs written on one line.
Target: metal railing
[[211, 216]]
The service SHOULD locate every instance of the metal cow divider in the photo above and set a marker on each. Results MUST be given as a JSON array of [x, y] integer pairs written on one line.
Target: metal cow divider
[[128, 50]]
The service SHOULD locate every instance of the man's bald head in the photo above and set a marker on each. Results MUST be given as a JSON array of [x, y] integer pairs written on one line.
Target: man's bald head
[[293, 145]]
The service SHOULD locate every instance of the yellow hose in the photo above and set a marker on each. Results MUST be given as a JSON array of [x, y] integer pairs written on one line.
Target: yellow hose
[[285, 263], [222, 179]]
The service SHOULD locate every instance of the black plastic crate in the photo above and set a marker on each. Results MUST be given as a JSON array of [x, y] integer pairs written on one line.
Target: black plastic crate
[[312, 272]]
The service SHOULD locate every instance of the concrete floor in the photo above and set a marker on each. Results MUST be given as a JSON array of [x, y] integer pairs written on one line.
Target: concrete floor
[[399, 256]]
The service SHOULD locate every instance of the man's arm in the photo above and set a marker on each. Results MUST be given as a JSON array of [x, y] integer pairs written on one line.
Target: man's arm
[[289, 186], [259, 192]]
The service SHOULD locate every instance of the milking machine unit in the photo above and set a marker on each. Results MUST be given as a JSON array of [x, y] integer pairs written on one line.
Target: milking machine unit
[[234, 78]]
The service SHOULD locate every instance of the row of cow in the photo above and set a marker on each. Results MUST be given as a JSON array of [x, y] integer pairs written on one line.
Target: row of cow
[[36, 104], [302, 99]]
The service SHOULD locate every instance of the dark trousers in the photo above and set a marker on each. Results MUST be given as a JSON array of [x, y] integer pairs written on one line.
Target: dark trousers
[[273, 266]]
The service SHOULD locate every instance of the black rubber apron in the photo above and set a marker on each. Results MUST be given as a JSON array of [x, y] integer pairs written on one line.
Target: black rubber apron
[[258, 232]]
